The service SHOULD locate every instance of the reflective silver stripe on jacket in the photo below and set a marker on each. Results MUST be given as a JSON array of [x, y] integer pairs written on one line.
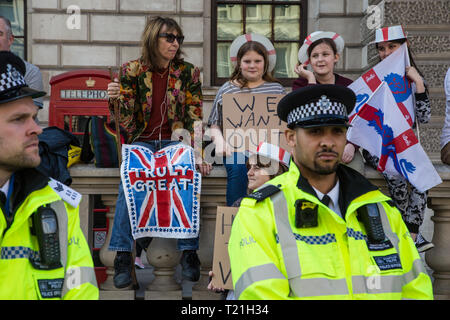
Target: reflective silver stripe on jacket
[[73, 277], [288, 242], [379, 283], [254, 274], [387, 227], [77, 276], [63, 219]]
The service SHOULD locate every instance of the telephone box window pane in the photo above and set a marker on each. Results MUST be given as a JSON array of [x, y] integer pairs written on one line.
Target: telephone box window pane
[[67, 123], [258, 18], [287, 23], [80, 124], [286, 59], [229, 22]]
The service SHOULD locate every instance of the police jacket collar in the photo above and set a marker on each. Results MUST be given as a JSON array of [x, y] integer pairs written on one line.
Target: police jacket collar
[[25, 182], [352, 185]]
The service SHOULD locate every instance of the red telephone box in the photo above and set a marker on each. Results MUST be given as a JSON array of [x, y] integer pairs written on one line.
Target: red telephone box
[[77, 95]]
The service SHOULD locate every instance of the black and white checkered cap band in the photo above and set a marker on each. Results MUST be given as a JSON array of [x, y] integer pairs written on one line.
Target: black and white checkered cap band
[[11, 79], [318, 109]]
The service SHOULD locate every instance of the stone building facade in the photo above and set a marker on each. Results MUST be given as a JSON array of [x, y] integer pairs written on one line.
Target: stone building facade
[[109, 33]]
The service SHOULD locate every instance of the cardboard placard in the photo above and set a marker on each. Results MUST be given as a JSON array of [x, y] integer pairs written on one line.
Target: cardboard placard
[[250, 118], [221, 260]]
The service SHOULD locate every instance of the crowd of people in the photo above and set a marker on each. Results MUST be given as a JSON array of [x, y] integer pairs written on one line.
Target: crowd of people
[[315, 228]]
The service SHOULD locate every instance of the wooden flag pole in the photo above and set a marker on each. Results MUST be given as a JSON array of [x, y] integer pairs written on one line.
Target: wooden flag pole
[[115, 103]]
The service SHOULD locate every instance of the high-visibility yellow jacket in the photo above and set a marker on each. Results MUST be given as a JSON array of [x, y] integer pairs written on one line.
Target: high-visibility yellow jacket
[[272, 259], [19, 280]]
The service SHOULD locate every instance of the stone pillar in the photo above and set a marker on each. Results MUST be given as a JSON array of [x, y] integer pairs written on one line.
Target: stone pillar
[[108, 290], [438, 258], [163, 255]]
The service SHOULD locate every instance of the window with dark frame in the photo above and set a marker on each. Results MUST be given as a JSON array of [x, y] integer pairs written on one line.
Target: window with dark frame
[[281, 21], [14, 11]]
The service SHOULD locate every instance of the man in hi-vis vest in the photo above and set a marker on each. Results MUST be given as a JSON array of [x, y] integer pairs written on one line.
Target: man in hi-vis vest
[[43, 253], [322, 230]]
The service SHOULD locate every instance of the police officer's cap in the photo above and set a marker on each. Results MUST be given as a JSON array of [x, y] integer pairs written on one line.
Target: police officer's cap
[[317, 105], [12, 82]]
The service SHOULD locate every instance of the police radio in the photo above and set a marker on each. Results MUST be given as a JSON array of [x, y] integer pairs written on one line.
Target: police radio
[[370, 217], [45, 225]]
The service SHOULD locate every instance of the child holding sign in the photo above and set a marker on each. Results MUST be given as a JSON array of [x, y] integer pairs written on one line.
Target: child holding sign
[[255, 58], [265, 164]]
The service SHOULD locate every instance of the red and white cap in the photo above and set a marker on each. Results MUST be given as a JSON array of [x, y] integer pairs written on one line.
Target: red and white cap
[[313, 37], [239, 41], [273, 152], [389, 34]]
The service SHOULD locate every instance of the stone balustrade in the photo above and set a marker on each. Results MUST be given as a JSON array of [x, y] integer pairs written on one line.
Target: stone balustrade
[[164, 258]]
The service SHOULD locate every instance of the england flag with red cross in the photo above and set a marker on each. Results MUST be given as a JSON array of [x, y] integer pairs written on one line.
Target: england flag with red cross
[[162, 191], [392, 71], [380, 128]]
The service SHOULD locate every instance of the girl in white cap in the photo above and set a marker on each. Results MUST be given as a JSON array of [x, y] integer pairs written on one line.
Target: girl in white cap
[[254, 58], [263, 165], [410, 202], [322, 50]]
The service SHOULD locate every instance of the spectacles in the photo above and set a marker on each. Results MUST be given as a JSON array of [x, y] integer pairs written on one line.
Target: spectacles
[[170, 37]]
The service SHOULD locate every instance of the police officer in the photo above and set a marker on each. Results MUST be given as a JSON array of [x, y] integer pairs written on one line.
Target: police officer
[[321, 230], [43, 253]]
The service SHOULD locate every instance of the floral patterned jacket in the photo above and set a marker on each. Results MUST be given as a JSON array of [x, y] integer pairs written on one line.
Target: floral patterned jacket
[[184, 98]]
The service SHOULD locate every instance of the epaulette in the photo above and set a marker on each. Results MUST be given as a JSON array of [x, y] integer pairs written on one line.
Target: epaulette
[[69, 195], [264, 192]]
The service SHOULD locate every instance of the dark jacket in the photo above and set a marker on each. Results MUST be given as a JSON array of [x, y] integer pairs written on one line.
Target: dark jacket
[[54, 145]]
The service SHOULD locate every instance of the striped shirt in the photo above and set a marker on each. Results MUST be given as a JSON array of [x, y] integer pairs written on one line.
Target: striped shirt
[[215, 118]]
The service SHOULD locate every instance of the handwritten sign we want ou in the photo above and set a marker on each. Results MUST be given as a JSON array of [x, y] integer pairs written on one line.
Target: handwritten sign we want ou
[[249, 119]]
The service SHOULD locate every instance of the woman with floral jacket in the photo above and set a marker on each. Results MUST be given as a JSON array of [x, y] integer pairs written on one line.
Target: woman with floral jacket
[[158, 94]]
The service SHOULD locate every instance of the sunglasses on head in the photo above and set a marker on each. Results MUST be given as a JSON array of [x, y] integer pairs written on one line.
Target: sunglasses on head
[[170, 37]]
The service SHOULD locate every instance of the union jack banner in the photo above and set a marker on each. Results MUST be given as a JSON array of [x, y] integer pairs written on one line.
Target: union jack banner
[[162, 191], [392, 71]]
